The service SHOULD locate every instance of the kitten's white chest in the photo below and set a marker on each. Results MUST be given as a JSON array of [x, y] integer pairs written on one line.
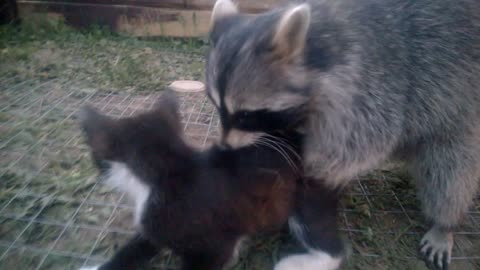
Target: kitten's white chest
[[119, 176]]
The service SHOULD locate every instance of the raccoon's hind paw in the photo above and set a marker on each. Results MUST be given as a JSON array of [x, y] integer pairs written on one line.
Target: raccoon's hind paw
[[436, 248]]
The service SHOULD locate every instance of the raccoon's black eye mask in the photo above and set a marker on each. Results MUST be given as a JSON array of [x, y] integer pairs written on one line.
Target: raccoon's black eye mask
[[266, 121]]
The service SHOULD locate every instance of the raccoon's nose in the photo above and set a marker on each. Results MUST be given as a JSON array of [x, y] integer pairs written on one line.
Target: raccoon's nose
[[223, 139], [223, 143]]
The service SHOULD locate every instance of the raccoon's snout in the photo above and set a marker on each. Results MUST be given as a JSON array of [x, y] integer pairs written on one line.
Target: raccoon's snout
[[236, 138], [224, 142]]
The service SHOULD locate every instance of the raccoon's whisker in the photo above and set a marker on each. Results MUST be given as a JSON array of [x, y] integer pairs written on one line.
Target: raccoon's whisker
[[286, 147], [279, 140], [290, 148], [280, 148], [285, 144], [281, 153], [271, 146], [276, 147]]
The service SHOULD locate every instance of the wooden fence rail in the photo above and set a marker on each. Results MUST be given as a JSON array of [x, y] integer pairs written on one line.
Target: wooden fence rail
[[177, 18]]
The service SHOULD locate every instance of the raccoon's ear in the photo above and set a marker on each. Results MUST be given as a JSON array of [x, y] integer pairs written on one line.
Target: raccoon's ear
[[223, 9], [97, 129], [290, 33]]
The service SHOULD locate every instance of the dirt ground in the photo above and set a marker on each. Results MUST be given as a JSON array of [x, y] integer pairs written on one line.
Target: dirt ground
[[54, 214]]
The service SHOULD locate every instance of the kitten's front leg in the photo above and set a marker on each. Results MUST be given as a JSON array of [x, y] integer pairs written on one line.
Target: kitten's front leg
[[314, 225], [136, 252], [209, 259]]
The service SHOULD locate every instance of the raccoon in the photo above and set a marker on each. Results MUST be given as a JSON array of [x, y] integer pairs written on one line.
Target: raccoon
[[379, 80], [201, 204]]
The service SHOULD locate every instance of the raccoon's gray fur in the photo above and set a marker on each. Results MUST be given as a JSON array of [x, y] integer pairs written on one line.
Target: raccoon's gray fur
[[382, 80]]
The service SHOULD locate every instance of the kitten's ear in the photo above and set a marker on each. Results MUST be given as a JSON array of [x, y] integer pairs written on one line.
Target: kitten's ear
[[168, 103], [97, 128], [291, 31], [91, 119], [223, 9]]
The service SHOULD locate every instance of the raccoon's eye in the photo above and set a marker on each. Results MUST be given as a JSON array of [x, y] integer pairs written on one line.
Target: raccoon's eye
[[240, 119], [244, 120], [245, 114]]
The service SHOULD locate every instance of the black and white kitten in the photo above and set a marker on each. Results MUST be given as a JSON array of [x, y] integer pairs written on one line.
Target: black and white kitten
[[201, 204]]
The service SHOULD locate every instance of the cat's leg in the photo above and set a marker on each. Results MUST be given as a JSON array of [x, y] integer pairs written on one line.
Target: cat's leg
[[235, 254], [218, 257], [314, 225], [136, 252], [447, 176]]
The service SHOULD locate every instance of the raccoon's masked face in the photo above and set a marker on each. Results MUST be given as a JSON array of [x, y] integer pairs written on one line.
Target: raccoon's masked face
[[254, 71]]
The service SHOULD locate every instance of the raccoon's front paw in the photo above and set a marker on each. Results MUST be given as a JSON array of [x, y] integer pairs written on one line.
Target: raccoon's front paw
[[436, 248]]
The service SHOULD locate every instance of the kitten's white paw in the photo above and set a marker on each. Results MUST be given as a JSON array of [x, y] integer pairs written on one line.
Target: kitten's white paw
[[90, 268], [311, 261]]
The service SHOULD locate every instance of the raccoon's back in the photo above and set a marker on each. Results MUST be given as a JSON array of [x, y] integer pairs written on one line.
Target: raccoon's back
[[444, 46], [414, 64]]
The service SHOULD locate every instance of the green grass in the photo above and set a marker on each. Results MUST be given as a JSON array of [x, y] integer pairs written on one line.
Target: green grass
[[97, 57]]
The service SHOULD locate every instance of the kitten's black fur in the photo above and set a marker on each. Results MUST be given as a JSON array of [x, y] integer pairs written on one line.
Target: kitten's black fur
[[201, 203]]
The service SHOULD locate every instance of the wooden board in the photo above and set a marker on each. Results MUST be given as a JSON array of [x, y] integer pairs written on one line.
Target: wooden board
[[252, 6], [166, 22], [175, 18], [138, 21], [8, 11], [245, 5]]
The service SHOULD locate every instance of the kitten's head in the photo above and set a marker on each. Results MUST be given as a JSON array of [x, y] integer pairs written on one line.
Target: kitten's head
[[255, 75], [147, 143]]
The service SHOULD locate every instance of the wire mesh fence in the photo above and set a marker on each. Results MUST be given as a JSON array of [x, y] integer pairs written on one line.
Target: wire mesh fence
[[54, 214]]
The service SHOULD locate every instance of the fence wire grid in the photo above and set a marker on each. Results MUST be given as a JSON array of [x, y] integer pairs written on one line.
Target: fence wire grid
[[54, 214]]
